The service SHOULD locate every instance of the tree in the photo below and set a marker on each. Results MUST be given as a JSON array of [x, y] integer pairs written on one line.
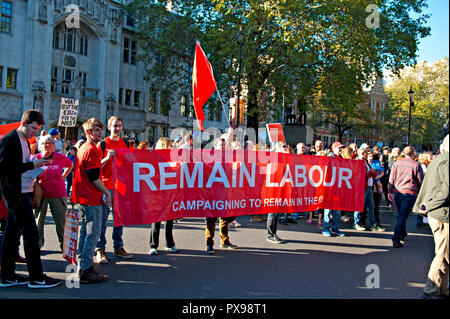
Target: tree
[[429, 82], [287, 44]]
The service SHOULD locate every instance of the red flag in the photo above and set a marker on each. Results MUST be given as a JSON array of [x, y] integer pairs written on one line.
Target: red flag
[[203, 83]]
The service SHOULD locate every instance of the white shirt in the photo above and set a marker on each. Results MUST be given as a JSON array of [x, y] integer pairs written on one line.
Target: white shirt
[[27, 182]]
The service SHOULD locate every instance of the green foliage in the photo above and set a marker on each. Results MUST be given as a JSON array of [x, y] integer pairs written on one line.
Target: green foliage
[[429, 82], [292, 49]]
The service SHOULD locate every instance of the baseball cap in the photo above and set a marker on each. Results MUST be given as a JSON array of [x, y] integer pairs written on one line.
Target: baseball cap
[[53, 131], [336, 144], [178, 138]]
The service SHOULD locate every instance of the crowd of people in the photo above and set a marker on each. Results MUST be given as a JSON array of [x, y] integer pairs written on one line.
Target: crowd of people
[[81, 173]]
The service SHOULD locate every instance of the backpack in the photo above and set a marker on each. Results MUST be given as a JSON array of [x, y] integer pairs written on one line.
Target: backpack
[[103, 145]]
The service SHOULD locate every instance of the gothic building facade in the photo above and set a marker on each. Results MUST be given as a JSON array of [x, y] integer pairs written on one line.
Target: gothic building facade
[[84, 50]]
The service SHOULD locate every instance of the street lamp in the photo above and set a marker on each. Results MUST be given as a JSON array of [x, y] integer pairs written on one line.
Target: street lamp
[[411, 104], [240, 40]]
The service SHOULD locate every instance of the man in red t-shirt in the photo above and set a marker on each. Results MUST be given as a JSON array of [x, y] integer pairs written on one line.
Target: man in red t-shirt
[[87, 192], [107, 149]]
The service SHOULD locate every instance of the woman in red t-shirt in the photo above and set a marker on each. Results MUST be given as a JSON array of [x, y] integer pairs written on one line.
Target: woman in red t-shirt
[[53, 186]]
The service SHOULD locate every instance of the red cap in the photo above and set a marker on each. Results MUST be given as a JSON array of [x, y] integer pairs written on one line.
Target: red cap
[[337, 144]]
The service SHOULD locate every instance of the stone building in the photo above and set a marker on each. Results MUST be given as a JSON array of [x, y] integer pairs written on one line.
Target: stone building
[[85, 50]]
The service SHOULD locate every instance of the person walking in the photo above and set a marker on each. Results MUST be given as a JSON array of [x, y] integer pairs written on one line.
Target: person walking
[[16, 189], [53, 188], [433, 202], [405, 180], [87, 193], [163, 143], [107, 148], [219, 144]]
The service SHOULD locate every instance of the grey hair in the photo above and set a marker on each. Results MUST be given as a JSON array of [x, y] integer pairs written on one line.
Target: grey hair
[[44, 139]]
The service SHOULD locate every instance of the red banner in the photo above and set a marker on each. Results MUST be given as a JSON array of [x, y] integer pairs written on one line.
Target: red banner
[[6, 128], [152, 186]]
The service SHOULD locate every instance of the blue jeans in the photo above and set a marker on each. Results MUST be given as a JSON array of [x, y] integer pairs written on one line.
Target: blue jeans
[[335, 222], [369, 206], [405, 203], [91, 223], [117, 231]]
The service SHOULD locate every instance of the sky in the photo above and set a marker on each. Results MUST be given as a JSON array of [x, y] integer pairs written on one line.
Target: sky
[[435, 46]]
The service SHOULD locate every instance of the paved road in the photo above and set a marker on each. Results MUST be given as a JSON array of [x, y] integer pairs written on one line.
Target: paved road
[[308, 265]]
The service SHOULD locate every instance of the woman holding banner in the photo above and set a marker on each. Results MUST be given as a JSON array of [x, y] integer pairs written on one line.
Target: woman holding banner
[[53, 186], [162, 144]]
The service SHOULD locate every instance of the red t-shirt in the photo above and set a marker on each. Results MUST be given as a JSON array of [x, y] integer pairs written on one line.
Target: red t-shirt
[[51, 181], [84, 192], [106, 174]]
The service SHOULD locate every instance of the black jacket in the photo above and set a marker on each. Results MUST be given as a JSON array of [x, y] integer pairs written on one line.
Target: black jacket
[[12, 168]]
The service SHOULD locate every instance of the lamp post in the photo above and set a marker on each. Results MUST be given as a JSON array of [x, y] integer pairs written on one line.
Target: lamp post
[[411, 104], [240, 41]]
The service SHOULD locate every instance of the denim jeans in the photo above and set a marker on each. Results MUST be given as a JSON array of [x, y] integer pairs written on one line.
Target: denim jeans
[[272, 223], [405, 203], [21, 222], [117, 231], [91, 223], [335, 222], [369, 205]]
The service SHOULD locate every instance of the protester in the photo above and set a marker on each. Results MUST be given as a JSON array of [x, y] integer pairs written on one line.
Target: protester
[[53, 188], [368, 195], [72, 155], [301, 148], [334, 215], [385, 179], [377, 189], [90, 194], [59, 143], [219, 144], [162, 144], [424, 160], [405, 179], [319, 152], [107, 148], [17, 191], [433, 202]]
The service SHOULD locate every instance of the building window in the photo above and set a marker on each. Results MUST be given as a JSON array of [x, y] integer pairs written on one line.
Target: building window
[[164, 103], [152, 101], [54, 78], [183, 105], [56, 39], [120, 96], [11, 79], [83, 45], [1, 76], [6, 16], [136, 98], [70, 39], [129, 51], [127, 97]]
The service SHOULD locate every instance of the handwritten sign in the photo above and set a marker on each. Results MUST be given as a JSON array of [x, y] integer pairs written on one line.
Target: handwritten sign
[[68, 112]]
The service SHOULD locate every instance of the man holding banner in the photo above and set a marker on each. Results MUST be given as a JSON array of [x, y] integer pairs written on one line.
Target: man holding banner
[[87, 193]]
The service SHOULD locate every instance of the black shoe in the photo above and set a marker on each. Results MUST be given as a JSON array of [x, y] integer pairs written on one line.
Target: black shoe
[[432, 296], [210, 250], [397, 245], [228, 245], [46, 282], [274, 239], [17, 281]]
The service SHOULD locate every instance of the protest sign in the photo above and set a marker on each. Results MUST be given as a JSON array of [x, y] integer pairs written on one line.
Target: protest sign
[[275, 132], [68, 112], [70, 237], [168, 184]]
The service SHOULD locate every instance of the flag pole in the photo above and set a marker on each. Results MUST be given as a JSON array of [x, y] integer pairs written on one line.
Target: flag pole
[[223, 107]]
